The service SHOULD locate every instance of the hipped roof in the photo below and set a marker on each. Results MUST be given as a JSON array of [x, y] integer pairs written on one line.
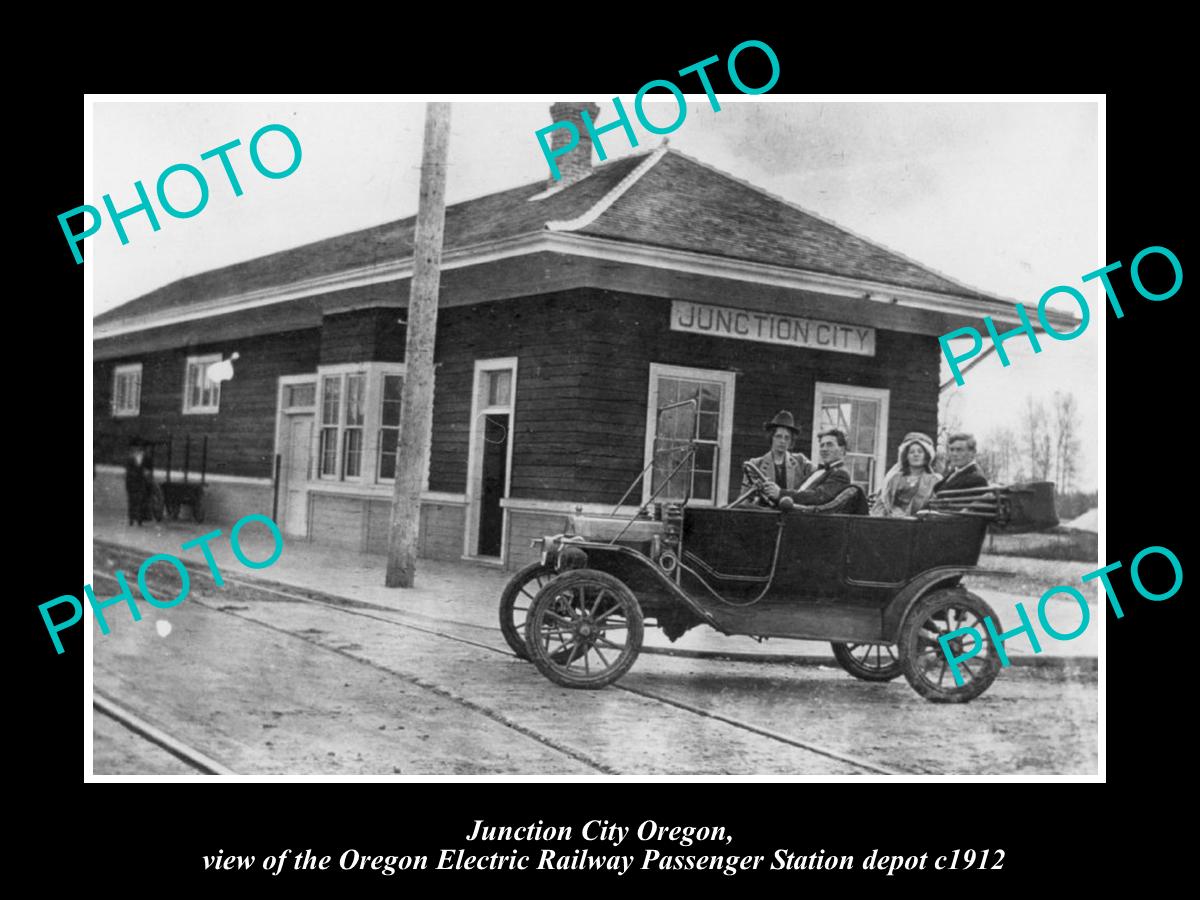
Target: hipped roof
[[661, 198]]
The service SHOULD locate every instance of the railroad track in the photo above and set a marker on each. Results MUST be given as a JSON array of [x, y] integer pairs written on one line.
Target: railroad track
[[177, 748], [430, 625]]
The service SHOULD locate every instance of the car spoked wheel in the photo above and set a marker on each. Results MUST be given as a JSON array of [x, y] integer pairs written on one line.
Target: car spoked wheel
[[515, 601], [584, 629], [926, 666], [870, 662]]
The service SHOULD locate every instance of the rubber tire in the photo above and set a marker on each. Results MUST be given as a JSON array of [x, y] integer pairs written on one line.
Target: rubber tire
[[939, 601], [841, 652], [198, 509], [546, 662], [514, 634]]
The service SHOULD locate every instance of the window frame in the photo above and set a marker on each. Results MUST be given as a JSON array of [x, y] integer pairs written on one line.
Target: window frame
[[206, 360], [481, 407], [118, 372], [370, 429], [383, 376], [728, 381], [881, 425]]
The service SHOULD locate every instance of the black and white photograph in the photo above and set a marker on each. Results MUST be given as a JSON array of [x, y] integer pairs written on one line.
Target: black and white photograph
[[531, 436]]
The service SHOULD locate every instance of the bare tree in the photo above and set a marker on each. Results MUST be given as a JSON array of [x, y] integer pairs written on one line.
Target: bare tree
[[1000, 457], [1035, 439], [1066, 440], [949, 422]]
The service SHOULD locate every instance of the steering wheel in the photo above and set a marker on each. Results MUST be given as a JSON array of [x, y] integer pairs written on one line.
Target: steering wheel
[[758, 490]]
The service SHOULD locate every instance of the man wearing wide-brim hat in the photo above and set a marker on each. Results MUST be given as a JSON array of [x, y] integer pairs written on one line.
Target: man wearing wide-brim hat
[[782, 469]]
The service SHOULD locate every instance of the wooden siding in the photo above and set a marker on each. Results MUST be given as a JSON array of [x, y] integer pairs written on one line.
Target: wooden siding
[[336, 519], [241, 436], [524, 527], [583, 381], [583, 367], [442, 530], [364, 335]]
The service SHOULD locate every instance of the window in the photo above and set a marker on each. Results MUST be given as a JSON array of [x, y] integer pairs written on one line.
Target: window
[[299, 396], [389, 419], [499, 385], [199, 394], [331, 420], [688, 406], [353, 433], [359, 410], [862, 413], [127, 390]]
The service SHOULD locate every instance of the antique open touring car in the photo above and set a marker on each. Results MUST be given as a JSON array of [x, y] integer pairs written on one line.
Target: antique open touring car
[[882, 590]]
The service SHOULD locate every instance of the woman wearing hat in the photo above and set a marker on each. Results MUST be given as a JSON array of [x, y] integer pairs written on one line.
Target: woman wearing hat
[[908, 484], [782, 470]]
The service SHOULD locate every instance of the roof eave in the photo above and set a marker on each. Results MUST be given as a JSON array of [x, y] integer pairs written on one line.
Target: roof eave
[[610, 250]]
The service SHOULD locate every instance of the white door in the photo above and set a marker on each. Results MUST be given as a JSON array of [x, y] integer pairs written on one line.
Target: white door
[[294, 473]]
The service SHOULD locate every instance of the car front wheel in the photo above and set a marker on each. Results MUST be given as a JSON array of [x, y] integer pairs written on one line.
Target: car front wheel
[[584, 629]]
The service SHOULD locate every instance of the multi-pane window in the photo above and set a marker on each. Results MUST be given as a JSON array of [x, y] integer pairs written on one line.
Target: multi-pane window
[[200, 395], [127, 390], [689, 409], [358, 406], [389, 419], [862, 414], [352, 435], [331, 420]]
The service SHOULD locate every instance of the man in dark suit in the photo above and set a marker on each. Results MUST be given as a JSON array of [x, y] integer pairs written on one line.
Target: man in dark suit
[[964, 472], [831, 477], [137, 479]]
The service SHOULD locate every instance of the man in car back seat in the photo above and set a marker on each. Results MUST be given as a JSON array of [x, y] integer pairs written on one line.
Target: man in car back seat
[[831, 478]]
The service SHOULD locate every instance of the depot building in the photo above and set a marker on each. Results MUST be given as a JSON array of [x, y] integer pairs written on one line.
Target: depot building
[[571, 311]]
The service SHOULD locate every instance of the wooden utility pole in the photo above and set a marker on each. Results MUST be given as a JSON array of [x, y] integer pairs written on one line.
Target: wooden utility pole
[[416, 403]]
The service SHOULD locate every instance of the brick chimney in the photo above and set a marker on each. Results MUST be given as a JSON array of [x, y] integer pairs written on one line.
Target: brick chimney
[[577, 163]]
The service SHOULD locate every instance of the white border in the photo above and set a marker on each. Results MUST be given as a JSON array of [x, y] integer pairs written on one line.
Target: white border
[[91, 334]]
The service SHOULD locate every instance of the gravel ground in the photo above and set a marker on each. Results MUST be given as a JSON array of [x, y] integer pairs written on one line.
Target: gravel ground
[[274, 687]]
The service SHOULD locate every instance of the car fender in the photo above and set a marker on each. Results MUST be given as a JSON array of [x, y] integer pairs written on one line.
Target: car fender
[[596, 550], [907, 596]]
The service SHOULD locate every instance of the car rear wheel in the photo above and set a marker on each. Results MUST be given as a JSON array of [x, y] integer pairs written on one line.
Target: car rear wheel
[[584, 629], [870, 662], [925, 664], [515, 600]]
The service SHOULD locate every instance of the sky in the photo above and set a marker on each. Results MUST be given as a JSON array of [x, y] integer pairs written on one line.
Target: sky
[[1002, 196]]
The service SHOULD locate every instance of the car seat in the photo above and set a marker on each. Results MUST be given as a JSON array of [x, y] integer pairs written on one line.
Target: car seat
[[849, 501]]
